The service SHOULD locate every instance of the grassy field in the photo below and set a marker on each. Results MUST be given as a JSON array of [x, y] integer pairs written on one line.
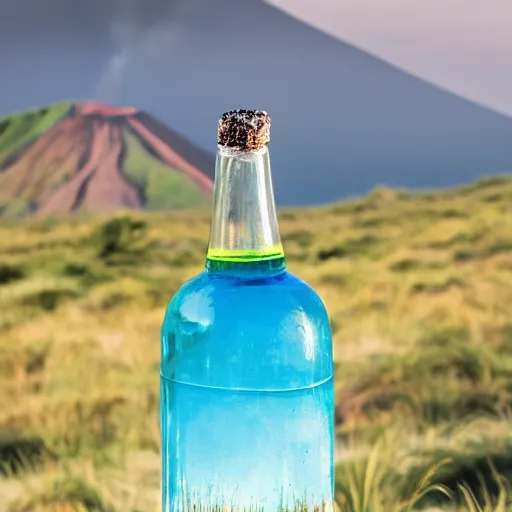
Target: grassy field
[[419, 290]]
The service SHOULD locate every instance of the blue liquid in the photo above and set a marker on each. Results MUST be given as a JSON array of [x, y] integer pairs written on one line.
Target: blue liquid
[[246, 393]]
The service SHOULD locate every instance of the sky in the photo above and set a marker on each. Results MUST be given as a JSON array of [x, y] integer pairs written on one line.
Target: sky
[[39, 37], [464, 46]]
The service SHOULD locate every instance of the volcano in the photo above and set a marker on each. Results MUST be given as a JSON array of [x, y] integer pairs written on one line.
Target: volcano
[[94, 157]]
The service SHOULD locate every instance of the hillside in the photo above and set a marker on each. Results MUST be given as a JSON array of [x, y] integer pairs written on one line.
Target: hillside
[[71, 158], [418, 287]]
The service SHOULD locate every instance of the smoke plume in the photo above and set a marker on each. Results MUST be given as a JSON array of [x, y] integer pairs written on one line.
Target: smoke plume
[[141, 37]]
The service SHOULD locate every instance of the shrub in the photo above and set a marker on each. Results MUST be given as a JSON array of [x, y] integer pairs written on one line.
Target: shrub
[[119, 235], [9, 273]]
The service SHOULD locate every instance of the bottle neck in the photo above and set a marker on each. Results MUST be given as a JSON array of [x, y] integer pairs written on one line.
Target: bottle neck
[[244, 235]]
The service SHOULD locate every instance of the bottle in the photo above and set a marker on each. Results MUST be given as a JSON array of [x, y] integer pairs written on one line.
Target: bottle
[[246, 363]]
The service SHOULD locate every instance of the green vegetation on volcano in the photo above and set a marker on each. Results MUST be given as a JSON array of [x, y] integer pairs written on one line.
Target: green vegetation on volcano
[[21, 128], [30, 175], [163, 188]]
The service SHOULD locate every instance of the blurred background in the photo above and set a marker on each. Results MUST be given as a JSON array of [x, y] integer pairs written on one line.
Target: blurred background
[[391, 152]]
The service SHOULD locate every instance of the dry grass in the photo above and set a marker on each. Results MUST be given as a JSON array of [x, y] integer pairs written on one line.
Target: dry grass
[[418, 287]]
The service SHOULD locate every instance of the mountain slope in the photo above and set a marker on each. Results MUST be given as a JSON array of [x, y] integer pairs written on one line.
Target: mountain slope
[[92, 157], [343, 121]]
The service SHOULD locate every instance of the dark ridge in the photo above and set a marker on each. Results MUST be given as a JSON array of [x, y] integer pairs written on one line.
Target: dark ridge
[[196, 156], [32, 206], [111, 133], [82, 192], [4, 124], [86, 154], [71, 111], [120, 166], [147, 146], [13, 157]]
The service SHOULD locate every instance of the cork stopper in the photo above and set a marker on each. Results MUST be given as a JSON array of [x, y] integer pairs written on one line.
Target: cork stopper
[[244, 130]]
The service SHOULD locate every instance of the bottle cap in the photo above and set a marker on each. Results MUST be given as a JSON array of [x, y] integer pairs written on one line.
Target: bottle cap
[[244, 130]]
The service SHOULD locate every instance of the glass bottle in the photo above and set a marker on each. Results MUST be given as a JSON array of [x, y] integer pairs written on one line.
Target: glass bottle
[[246, 361]]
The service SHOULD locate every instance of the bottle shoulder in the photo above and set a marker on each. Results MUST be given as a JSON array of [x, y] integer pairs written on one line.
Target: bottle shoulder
[[271, 332], [286, 289]]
